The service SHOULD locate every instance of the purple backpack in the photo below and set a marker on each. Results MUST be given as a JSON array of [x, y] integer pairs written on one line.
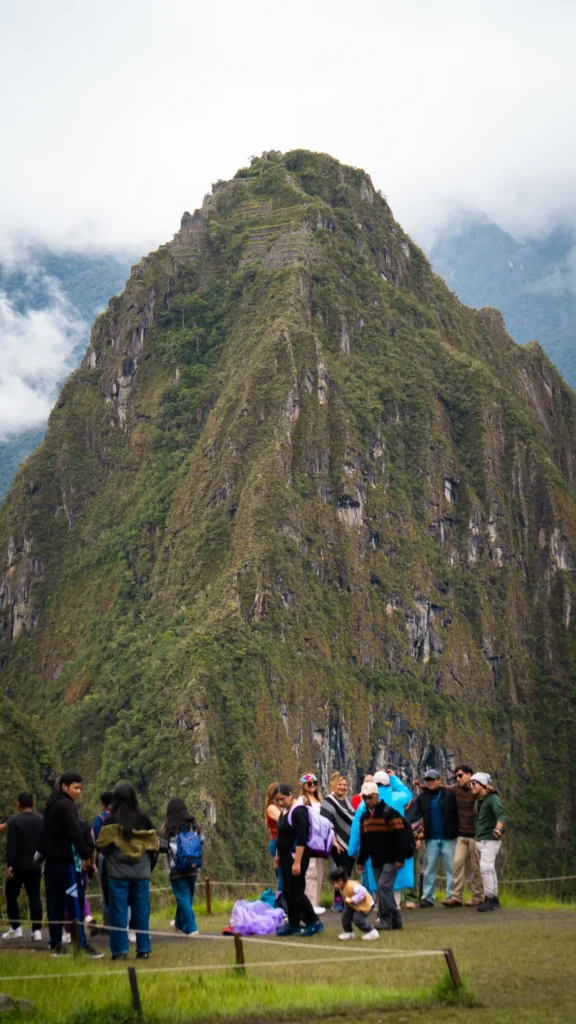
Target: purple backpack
[[320, 833]]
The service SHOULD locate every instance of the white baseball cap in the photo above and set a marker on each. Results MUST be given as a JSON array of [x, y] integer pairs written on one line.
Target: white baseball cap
[[368, 788], [382, 779]]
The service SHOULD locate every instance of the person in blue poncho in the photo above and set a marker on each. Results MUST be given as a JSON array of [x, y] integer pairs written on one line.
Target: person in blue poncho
[[394, 793]]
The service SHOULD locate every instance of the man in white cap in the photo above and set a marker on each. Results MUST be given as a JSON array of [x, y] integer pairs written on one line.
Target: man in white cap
[[490, 822], [382, 839]]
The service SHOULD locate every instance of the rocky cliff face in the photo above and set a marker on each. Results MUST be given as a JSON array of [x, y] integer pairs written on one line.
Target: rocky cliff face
[[298, 508]]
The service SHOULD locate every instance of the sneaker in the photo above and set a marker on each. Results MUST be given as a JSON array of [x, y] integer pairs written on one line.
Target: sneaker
[[37, 935], [370, 936], [132, 937], [452, 902], [94, 954], [13, 933], [173, 924], [59, 950], [287, 929], [119, 956], [426, 903], [89, 919], [487, 904], [319, 910], [312, 929], [142, 956], [66, 938], [346, 935], [192, 935]]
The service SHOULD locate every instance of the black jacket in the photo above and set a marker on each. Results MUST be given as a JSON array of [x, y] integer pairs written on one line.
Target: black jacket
[[62, 829], [295, 832], [420, 808], [23, 836], [381, 836]]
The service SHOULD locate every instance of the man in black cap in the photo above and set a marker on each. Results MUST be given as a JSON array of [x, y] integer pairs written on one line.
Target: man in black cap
[[437, 808]]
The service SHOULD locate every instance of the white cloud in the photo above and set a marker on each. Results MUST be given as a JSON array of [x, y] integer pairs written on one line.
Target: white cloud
[[35, 355]]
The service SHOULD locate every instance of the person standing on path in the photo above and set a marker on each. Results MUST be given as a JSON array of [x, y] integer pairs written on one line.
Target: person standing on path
[[465, 856], [62, 844], [339, 811], [382, 839], [129, 842], [182, 879], [22, 839], [293, 857], [490, 824], [310, 796], [271, 815], [437, 807]]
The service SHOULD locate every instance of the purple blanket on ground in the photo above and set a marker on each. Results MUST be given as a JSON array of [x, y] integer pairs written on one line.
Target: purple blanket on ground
[[256, 918]]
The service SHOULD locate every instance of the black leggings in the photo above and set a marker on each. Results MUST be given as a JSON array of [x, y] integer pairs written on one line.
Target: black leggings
[[298, 905]]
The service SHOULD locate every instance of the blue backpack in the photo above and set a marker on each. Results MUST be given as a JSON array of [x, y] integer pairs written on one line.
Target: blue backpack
[[188, 850]]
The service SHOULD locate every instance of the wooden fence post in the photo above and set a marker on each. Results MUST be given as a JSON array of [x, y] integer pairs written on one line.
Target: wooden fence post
[[208, 896], [75, 936], [136, 1002], [453, 969], [239, 947]]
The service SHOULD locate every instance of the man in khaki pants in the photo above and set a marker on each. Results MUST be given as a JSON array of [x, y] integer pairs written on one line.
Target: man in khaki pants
[[465, 855]]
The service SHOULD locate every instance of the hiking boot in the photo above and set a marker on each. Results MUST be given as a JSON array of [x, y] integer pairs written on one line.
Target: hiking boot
[[452, 902], [312, 929], [119, 956], [496, 903], [426, 903], [474, 902], [13, 933], [142, 956], [487, 904], [288, 929], [397, 924], [59, 950], [370, 936], [94, 954]]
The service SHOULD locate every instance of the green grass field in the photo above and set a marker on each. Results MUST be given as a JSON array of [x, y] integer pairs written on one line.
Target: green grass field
[[518, 966]]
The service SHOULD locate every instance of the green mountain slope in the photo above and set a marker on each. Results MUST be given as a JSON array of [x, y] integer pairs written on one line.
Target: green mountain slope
[[531, 281], [298, 508]]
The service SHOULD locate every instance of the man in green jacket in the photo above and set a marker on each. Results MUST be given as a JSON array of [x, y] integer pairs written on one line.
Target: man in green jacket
[[489, 826]]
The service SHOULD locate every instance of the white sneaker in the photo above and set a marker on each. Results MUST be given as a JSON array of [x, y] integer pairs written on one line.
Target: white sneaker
[[346, 935], [37, 935], [319, 910], [66, 938], [193, 935], [370, 936], [89, 919], [13, 933], [173, 923], [131, 936]]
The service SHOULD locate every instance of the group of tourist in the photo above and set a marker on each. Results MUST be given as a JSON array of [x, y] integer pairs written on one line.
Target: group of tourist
[[121, 847], [379, 832]]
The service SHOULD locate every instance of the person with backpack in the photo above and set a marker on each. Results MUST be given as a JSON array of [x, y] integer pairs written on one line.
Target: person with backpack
[[310, 796], [293, 857], [181, 840], [23, 836], [382, 838], [490, 822], [129, 842], [395, 794]]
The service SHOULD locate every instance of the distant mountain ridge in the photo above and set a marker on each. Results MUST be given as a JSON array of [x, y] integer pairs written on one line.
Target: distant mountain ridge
[[532, 282], [84, 281]]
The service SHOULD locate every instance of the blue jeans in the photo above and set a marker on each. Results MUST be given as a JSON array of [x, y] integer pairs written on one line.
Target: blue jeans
[[272, 848], [183, 889], [136, 893], [436, 848]]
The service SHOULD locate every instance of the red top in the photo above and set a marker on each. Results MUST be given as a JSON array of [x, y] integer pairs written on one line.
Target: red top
[[271, 825], [356, 801]]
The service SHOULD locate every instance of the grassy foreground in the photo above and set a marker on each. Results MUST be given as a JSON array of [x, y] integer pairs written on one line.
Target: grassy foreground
[[518, 964]]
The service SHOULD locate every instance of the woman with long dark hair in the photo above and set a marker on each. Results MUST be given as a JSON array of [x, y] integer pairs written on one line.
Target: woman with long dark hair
[[271, 815], [129, 842], [293, 857], [183, 869]]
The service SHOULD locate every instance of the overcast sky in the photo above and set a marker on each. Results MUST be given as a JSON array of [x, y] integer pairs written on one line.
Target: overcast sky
[[118, 114]]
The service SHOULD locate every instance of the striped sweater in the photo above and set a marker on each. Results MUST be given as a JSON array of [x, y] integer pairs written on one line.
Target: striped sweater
[[381, 836], [340, 814]]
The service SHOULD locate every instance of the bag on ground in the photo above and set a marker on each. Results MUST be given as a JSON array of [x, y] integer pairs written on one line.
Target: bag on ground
[[255, 918]]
